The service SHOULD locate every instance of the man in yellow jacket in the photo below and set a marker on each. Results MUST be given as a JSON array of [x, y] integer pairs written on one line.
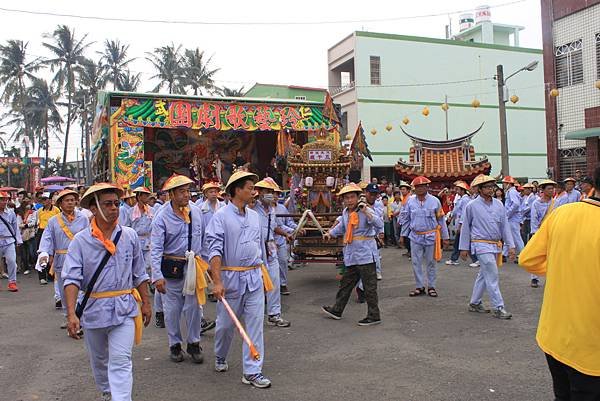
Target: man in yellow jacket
[[569, 327]]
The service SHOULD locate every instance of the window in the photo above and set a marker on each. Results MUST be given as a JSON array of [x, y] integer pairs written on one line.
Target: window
[[569, 64], [598, 55], [300, 97], [375, 63]]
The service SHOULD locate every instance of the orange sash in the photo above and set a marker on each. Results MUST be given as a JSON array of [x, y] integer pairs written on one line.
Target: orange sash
[[352, 223], [497, 243], [267, 282], [437, 250]]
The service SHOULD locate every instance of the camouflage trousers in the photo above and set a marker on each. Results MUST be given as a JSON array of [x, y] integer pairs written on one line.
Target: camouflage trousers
[[350, 278]]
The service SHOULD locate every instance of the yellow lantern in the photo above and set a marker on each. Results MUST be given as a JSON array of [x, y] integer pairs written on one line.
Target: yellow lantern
[[2, 170], [388, 127], [405, 121], [373, 131], [15, 170], [425, 111], [597, 84], [445, 106], [475, 103], [554, 92], [514, 98]]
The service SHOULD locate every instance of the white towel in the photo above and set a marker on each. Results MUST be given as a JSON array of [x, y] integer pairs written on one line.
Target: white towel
[[189, 284], [41, 255]]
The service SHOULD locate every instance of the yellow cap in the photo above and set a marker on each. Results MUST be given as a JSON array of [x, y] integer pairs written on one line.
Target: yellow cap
[[176, 180], [94, 189], [352, 187], [141, 190], [66, 192], [482, 179], [238, 175]]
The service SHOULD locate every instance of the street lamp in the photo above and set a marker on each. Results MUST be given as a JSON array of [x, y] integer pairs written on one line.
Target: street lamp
[[502, 99]]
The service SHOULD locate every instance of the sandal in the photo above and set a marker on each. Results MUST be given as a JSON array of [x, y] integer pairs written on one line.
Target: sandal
[[417, 292], [432, 292]]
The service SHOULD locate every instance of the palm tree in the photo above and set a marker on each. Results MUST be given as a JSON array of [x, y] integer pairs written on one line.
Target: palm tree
[[15, 71], [231, 92], [114, 59], [195, 71], [167, 62], [43, 111], [130, 82], [67, 52]]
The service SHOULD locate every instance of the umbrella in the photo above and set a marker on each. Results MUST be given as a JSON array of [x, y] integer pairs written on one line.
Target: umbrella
[[53, 180], [53, 188], [8, 189]]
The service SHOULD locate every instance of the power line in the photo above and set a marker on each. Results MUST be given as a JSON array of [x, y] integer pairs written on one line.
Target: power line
[[247, 23]]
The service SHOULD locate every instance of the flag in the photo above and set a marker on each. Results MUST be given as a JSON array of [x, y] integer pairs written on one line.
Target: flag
[[329, 109], [359, 142]]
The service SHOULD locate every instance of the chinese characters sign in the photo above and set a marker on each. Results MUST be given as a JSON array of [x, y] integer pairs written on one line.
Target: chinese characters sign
[[319, 155], [221, 116]]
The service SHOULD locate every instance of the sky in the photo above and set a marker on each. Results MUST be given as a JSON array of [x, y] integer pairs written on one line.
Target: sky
[[276, 48]]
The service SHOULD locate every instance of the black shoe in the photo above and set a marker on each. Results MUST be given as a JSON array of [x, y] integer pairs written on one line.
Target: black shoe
[[159, 320], [284, 290], [176, 353], [328, 310], [195, 351], [360, 296], [535, 283], [206, 325], [58, 304], [212, 298], [369, 322]]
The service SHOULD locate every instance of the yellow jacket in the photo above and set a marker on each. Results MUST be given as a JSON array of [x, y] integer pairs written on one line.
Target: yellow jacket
[[567, 249], [45, 215]]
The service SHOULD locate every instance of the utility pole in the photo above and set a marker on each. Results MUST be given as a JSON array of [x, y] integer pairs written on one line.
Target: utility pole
[[78, 169], [88, 161], [502, 112]]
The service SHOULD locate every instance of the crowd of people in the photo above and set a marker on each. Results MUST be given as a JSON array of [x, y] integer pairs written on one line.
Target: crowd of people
[[119, 258]]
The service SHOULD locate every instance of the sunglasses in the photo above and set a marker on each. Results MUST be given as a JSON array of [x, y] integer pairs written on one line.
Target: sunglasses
[[108, 204], [488, 186]]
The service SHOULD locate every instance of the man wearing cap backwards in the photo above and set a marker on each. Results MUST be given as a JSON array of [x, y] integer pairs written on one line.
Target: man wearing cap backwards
[[540, 209], [359, 224], [237, 253], [10, 237], [371, 195], [514, 212], [565, 249], [57, 236], [119, 304], [484, 229], [171, 250], [139, 217], [460, 202], [423, 222], [270, 225]]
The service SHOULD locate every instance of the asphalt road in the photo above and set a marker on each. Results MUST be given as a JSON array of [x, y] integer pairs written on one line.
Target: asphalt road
[[425, 349]]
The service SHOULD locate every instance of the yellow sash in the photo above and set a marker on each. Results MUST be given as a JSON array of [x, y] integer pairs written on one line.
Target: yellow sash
[[201, 270], [497, 243], [437, 250], [265, 273], [61, 223], [362, 238], [139, 320]]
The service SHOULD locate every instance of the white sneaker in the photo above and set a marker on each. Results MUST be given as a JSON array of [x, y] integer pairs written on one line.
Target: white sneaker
[[452, 263], [26, 272], [43, 281], [474, 264], [379, 276], [4, 275]]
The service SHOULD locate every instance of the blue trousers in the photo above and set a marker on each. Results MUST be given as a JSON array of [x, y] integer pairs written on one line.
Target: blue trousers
[[487, 279], [515, 230], [175, 305], [283, 260], [10, 255], [274, 297], [110, 351], [423, 254], [249, 308]]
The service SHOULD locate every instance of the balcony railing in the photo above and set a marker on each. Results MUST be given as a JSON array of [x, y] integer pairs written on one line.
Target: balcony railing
[[336, 90]]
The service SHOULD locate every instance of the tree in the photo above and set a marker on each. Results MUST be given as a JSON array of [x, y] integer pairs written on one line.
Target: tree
[[167, 62], [15, 72], [114, 60], [230, 92], [130, 82], [67, 52], [195, 71], [43, 112]]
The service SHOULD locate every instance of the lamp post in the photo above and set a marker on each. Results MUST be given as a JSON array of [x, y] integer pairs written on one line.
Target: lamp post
[[502, 99]]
